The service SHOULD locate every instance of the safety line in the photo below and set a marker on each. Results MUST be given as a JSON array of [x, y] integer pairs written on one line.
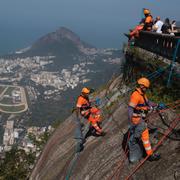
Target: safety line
[[71, 166], [169, 136], [159, 71], [126, 154], [120, 166], [168, 131], [122, 162], [152, 114]]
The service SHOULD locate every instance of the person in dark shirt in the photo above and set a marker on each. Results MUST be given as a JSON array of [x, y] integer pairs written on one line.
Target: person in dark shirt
[[166, 28]]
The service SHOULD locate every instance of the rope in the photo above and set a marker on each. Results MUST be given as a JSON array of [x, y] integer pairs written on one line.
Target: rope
[[120, 166], [71, 166], [168, 131], [171, 106], [126, 154], [172, 64], [122, 162], [157, 72]]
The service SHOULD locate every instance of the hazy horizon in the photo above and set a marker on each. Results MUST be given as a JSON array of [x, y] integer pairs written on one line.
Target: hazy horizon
[[98, 22]]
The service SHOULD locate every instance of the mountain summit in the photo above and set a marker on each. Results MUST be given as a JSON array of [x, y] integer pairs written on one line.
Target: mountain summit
[[59, 35], [63, 43]]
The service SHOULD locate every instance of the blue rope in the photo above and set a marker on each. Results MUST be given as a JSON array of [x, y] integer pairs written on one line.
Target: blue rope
[[172, 64], [157, 72]]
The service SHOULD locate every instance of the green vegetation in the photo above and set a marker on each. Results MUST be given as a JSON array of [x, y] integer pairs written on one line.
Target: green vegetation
[[41, 141], [16, 165], [6, 100], [163, 94], [56, 123]]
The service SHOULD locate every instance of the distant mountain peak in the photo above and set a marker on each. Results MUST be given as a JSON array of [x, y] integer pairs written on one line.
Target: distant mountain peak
[[62, 41], [60, 34], [64, 32]]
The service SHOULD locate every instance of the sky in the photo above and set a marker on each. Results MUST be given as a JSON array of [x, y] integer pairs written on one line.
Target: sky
[[98, 22]]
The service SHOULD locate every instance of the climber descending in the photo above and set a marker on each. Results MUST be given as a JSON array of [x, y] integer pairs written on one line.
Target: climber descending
[[95, 121], [139, 133], [83, 107], [85, 111]]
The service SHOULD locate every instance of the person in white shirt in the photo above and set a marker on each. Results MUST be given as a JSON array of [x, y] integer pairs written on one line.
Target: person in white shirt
[[158, 25]]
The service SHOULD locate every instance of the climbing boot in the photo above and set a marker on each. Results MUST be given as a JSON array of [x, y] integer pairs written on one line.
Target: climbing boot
[[154, 157]]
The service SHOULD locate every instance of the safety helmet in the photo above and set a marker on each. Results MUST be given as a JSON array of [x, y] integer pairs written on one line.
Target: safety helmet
[[85, 90], [144, 81], [146, 11]]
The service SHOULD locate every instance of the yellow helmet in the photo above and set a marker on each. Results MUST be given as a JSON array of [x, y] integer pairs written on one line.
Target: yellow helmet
[[85, 90], [144, 81], [146, 11]]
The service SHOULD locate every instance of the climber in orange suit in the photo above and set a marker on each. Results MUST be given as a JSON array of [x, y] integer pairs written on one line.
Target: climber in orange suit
[[83, 107], [148, 21], [95, 120], [137, 110]]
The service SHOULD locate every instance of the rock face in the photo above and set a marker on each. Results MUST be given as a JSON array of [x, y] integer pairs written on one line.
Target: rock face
[[103, 157]]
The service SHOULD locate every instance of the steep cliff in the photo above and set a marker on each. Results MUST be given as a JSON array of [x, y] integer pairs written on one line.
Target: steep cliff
[[103, 157]]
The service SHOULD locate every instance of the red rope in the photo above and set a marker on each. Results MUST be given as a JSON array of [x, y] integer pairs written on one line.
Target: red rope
[[161, 111], [121, 162], [168, 131]]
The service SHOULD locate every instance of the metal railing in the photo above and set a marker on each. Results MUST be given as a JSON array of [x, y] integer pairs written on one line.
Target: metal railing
[[161, 44]]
